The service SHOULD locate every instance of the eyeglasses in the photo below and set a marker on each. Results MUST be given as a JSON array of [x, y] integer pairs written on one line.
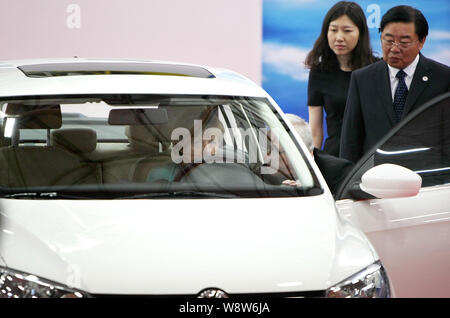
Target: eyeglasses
[[403, 45]]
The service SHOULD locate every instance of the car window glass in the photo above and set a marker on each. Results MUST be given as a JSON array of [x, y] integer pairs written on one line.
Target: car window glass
[[421, 145], [212, 144]]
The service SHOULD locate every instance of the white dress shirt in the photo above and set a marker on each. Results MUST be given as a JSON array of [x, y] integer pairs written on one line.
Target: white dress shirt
[[409, 70]]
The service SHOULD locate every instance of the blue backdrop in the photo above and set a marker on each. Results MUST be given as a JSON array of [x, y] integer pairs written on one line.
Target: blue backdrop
[[290, 28]]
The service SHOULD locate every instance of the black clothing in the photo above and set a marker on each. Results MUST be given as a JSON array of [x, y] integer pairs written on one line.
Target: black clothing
[[334, 169], [401, 93], [329, 89], [369, 114]]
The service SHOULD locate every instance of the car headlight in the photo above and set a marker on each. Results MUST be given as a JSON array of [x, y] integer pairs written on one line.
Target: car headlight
[[371, 282], [14, 284]]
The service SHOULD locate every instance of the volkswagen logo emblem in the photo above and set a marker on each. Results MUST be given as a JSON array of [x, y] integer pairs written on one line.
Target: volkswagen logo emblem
[[212, 293]]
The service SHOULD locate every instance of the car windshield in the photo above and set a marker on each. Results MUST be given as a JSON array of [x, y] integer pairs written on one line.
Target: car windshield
[[149, 146]]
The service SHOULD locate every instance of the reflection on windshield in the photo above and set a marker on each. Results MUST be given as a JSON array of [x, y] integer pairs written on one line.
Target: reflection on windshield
[[166, 144]]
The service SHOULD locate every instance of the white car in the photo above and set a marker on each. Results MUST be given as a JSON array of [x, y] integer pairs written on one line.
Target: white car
[[408, 218], [161, 179]]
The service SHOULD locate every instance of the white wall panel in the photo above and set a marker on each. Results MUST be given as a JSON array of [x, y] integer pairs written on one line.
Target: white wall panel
[[224, 33]]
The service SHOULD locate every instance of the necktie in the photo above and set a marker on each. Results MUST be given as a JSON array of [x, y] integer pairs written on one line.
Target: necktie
[[400, 95]]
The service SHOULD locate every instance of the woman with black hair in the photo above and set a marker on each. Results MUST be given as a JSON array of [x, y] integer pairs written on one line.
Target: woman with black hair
[[343, 46]]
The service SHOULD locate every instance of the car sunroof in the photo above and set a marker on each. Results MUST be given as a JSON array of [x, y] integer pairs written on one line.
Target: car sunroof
[[75, 69]]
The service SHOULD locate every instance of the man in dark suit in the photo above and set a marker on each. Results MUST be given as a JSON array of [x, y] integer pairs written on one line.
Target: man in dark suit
[[383, 93]]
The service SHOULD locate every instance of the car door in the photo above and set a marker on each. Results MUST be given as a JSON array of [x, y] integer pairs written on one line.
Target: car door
[[411, 235]]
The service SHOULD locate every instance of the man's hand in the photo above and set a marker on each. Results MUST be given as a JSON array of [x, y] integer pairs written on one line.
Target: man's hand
[[294, 183]]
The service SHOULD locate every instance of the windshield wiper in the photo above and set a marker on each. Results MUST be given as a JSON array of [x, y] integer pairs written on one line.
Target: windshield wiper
[[91, 195], [179, 194], [41, 195]]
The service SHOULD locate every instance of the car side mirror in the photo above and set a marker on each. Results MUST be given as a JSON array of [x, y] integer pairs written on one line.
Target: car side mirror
[[390, 181]]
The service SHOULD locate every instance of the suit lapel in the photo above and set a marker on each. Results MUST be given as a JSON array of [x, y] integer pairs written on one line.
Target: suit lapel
[[419, 82], [382, 84]]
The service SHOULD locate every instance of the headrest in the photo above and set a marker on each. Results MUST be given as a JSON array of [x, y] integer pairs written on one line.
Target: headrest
[[143, 138], [78, 140], [35, 117], [148, 137]]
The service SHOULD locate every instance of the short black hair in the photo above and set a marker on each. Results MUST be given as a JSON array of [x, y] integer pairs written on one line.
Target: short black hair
[[406, 14]]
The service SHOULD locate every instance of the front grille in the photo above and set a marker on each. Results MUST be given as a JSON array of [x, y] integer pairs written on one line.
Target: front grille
[[302, 294]]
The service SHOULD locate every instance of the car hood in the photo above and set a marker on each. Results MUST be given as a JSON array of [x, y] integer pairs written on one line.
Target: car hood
[[183, 246]]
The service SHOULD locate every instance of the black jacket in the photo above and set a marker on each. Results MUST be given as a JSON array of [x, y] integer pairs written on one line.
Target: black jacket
[[369, 113], [333, 169]]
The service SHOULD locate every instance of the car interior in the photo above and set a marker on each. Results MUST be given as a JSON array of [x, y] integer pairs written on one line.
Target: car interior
[[41, 146]]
